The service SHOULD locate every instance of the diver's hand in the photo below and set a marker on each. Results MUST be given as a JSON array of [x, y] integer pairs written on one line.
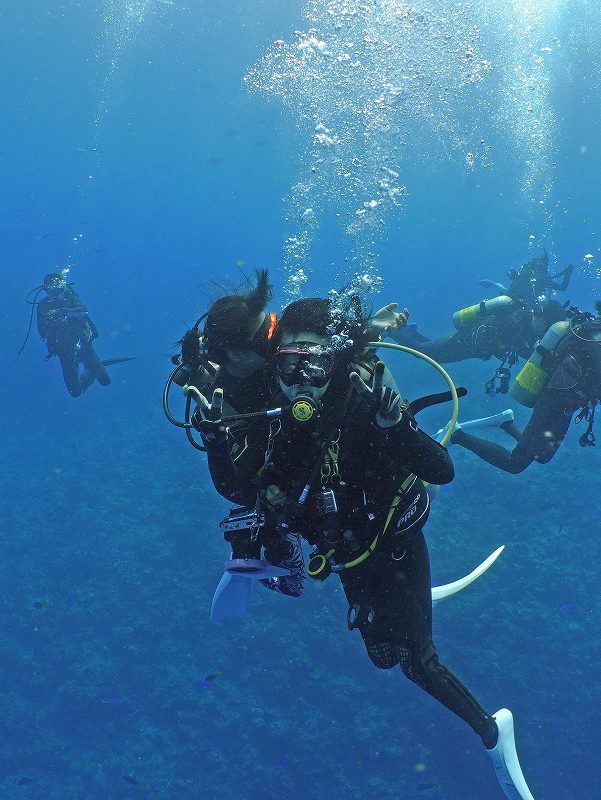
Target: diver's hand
[[387, 319], [191, 346], [208, 416], [385, 402]]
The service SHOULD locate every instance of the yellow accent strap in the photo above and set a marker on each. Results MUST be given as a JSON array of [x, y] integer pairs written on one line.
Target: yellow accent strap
[[409, 480], [400, 492]]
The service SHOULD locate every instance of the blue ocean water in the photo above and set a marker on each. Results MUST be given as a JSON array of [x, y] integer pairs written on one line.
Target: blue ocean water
[[155, 148]]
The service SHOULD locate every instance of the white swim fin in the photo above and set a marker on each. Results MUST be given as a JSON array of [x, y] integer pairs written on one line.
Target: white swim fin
[[505, 759], [494, 421], [440, 592]]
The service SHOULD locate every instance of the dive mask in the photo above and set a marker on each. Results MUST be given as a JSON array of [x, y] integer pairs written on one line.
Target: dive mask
[[304, 363]]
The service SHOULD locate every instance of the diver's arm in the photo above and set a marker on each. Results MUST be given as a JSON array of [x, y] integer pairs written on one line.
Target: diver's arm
[[215, 436], [42, 318], [412, 447], [419, 453], [227, 479], [566, 274], [76, 303]]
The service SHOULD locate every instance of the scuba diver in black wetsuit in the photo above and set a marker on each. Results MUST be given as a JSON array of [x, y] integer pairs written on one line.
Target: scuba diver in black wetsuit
[[228, 355], [64, 323], [533, 280], [562, 376], [228, 361], [231, 354], [343, 469], [506, 327]]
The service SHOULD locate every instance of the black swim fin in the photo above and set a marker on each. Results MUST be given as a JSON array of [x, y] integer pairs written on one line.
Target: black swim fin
[[108, 362]]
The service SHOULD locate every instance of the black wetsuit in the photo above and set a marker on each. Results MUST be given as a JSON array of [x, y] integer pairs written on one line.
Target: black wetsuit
[[390, 590], [69, 332], [533, 280], [575, 383], [507, 330]]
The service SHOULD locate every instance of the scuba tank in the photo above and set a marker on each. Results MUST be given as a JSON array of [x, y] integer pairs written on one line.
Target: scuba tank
[[467, 315], [534, 375]]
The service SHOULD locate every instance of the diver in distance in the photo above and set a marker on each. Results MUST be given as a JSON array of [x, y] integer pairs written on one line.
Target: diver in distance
[[65, 325], [533, 280], [345, 470], [506, 327], [561, 377]]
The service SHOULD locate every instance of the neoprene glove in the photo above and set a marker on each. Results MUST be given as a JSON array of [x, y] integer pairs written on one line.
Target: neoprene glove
[[191, 346], [385, 401], [209, 413]]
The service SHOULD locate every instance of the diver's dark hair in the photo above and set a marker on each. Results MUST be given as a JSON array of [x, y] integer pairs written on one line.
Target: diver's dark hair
[[53, 277], [325, 318], [552, 311], [227, 323]]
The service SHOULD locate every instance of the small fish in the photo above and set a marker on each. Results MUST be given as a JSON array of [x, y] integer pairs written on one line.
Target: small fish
[[214, 161], [45, 236], [133, 781], [112, 701], [231, 132], [208, 680], [24, 781], [40, 604], [428, 787]]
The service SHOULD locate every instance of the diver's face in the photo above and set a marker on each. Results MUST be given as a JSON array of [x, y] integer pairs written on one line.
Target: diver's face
[[243, 363], [313, 381]]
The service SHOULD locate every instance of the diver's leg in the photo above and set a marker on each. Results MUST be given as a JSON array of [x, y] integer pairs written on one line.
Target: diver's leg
[[70, 367], [375, 630], [95, 369], [286, 551], [512, 429], [454, 347], [539, 441], [409, 603], [492, 453]]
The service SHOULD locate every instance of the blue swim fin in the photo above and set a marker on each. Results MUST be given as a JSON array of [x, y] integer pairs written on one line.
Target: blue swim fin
[[232, 595]]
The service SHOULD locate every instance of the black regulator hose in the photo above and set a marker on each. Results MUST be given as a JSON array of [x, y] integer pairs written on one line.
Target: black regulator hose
[[166, 409], [33, 303]]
